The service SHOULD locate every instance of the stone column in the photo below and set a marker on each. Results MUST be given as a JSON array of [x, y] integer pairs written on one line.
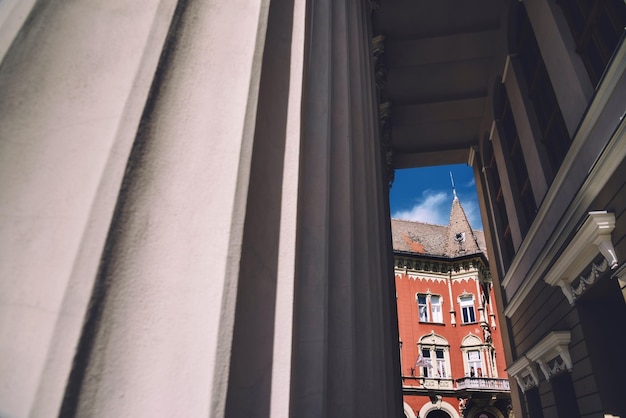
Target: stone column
[[73, 85], [345, 360], [236, 259], [161, 330]]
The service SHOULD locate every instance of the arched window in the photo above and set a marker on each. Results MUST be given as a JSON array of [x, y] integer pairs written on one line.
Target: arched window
[[473, 356], [434, 357]]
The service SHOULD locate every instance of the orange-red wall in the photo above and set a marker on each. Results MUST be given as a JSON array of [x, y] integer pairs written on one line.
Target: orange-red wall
[[411, 330]]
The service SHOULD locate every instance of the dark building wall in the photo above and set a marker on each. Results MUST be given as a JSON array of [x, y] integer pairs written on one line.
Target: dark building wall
[[590, 178]]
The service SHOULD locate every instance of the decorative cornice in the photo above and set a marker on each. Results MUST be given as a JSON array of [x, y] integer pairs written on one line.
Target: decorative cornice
[[584, 282], [593, 236], [412, 264], [378, 53], [384, 115], [552, 353], [524, 373]]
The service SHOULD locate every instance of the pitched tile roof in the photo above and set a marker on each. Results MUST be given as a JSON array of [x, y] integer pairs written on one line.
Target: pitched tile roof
[[454, 240]]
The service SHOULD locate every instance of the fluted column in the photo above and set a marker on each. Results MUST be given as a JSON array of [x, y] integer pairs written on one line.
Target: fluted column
[[196, 211], [73, 85], [345, 360], [159, 336]]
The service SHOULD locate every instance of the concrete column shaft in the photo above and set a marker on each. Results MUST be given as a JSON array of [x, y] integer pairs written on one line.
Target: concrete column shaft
[[73, 85], [345, 359], [158, 339]]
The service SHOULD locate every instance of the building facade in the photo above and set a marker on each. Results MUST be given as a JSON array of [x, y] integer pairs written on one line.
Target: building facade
[[194, 199], [451, 351]]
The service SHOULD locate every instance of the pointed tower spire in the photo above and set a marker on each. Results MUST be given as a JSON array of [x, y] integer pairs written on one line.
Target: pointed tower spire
[[461, 237], [453, 188]]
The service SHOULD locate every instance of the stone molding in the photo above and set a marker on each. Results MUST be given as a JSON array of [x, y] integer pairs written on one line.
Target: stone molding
[[405, 264], [548, 352], [552, 356], [593, 236], [524, 373]]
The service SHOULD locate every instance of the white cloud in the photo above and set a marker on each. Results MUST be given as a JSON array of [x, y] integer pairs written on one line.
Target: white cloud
[[471, 183], [433, 208]]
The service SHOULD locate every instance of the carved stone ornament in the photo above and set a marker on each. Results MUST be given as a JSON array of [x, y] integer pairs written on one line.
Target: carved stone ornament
[[552, 353], [584, 282], [384, 114], [528, 382], [380, 68], [556, 366], [524, 373], [593, 237]]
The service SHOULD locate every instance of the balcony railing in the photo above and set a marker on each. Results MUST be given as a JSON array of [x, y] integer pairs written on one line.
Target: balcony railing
[[482, 383], [465, 383], [428, 382]]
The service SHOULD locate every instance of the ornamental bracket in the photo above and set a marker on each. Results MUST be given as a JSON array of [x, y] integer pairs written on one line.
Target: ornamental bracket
[[593, 237]]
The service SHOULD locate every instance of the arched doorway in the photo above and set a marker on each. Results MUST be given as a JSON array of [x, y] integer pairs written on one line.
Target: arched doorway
[[438, 414], [440, 409]]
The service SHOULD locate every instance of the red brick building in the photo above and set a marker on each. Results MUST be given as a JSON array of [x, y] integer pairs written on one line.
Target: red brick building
[[451, 350]]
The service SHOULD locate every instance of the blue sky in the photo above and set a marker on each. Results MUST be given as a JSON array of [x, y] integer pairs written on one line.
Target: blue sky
[[425, 194]]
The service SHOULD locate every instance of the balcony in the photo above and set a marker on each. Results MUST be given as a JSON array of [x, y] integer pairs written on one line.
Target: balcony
[[483, 384], [419, 385]]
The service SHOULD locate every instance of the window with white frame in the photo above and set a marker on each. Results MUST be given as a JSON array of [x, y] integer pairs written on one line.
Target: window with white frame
[[473, 356], [429, 308], [467, 309], [440, 363], [474, 363], [435, 305], [434, 357], [422, 307]]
